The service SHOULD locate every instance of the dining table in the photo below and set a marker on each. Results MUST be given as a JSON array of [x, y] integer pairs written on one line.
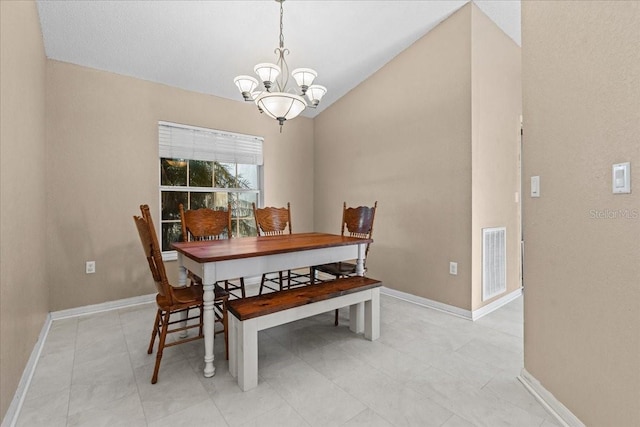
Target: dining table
[[227, 259]]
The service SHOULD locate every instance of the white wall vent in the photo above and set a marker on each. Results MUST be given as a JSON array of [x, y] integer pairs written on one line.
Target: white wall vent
[[494, 262]]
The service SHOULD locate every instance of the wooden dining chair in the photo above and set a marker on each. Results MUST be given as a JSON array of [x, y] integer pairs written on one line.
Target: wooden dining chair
[[172, 300], [271, 221], [210, 224], [356, 222]]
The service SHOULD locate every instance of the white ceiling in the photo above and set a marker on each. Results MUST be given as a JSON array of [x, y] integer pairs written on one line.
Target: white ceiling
[[202, 45]]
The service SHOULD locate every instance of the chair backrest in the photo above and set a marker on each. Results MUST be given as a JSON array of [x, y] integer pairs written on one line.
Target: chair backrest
[[358, 222], [152, 251], [272, 221], [205, 224]]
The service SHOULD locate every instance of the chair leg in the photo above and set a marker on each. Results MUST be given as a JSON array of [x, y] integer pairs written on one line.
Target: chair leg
[[262, 284], [280, 280], [242, 291], [225, 323], [335, 321], [155, 332], [163, 337], [312, 275]]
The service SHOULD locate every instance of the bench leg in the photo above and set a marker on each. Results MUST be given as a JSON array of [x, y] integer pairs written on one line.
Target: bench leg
[[356, 318], [372, 316], [233, 344], [247, 354]]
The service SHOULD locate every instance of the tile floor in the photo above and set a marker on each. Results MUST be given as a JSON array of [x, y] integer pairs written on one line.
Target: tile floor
[[427, 369]]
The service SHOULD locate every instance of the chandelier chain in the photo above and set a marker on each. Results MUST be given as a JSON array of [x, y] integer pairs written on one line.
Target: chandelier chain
[[283, 79], [281, 26]]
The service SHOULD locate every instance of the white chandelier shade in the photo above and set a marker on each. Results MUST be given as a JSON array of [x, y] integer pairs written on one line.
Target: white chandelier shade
[[304, 77], [315, 93], [267, 72], [246, 84], [280, 105]]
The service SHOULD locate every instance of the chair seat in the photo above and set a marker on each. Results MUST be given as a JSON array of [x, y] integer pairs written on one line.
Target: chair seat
[[184, 297], [337, 268], [187, 296]]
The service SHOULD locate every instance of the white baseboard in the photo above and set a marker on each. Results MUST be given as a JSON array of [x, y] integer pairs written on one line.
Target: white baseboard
[[105, 306], [121, 303], [450, 309], [11, 416], [494, 305], [563, 415]]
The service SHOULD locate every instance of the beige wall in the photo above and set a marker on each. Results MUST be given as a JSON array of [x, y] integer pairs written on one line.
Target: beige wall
[[402, 137], [581, 91], [23, 292], [103, 163], [413, 136], [496, 99]]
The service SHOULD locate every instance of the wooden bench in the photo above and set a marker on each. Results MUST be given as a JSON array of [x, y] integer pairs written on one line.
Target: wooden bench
[[250, 315]]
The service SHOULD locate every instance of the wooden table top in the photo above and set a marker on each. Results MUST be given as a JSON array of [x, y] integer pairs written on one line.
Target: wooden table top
[[246, 247]]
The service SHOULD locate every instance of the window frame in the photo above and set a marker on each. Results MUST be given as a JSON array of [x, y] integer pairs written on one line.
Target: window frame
[[259, 191]]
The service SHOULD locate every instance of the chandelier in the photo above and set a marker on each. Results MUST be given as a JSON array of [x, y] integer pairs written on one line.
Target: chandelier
[[276, 100]]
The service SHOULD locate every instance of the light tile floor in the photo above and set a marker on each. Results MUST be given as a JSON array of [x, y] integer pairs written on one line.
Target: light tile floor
[[427, 369]]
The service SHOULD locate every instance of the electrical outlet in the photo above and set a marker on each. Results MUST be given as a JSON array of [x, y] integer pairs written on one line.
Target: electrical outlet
[[453, 268], [90, 267]]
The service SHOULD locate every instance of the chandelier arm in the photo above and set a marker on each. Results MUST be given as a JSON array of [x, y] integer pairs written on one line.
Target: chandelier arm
[[283, 77]]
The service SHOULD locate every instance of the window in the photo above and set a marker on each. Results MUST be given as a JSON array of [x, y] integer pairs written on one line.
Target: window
[[207, 168]]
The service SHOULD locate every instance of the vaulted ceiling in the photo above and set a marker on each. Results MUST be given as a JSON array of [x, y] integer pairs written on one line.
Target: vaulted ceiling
[[202, 45]]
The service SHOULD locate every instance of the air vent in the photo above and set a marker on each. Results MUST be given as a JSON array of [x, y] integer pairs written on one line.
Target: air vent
[[494, 262]]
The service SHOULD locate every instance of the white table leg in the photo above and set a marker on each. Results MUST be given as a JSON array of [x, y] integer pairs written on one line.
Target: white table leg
[[360, 260], [182, 281], [233, 345], [182, 272], [372, 316], [209, 318], [247, 355]]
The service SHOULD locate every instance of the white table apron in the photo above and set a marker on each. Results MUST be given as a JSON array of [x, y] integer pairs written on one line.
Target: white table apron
[[215, 271]]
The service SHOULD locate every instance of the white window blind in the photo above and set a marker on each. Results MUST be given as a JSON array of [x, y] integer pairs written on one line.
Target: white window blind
[[189, 142]]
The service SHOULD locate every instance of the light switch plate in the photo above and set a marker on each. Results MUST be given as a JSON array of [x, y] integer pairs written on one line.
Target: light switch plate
[[453, 268], [621, 178], [90, 267], [535, 186]]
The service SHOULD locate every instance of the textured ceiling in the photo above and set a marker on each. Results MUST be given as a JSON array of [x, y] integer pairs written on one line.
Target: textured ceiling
[[202, 45]]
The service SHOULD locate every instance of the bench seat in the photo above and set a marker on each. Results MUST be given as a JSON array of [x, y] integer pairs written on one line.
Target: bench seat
[[250, 315]]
